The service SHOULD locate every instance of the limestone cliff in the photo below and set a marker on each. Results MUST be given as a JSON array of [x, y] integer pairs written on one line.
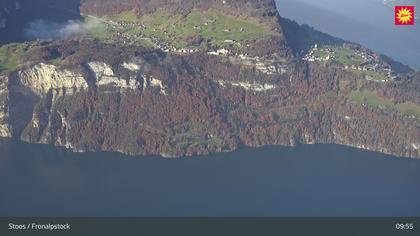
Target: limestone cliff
[[168, 109], [42, 78], [4, 108]]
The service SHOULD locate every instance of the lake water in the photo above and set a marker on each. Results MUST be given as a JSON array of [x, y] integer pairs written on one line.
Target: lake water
[[318, 180]]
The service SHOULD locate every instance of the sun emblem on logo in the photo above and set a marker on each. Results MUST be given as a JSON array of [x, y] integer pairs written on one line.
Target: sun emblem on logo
[[404, 15]]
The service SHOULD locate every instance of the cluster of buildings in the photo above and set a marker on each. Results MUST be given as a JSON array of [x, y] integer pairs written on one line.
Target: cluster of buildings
[[262, 64], [312, 57], [370, 62], [125, 37]]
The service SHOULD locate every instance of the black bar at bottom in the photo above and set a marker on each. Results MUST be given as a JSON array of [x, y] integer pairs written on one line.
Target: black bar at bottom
[[211, 226]]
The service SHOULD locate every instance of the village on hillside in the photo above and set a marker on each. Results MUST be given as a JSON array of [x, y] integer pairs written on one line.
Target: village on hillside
[[348, 57]]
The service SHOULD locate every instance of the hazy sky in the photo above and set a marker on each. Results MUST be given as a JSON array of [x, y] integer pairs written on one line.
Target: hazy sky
[[368, 22], [373, 12]]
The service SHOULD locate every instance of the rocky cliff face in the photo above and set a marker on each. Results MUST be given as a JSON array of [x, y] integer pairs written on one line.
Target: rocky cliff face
[[5, 130], [89, 95], [191, 104]]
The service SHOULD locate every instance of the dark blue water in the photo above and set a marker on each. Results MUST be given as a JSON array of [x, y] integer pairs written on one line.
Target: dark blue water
[[319, 180]]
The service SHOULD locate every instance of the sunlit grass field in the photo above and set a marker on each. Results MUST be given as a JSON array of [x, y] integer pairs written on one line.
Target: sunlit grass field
[[178, 30]]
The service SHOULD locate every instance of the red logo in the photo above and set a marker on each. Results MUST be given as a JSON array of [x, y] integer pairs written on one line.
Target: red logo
[[404, 15]]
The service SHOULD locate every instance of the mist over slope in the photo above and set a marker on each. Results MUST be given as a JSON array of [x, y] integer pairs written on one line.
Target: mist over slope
[[47, 30], [16, 16]]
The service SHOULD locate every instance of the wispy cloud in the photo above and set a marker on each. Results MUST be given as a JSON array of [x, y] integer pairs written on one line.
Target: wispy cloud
[[41, 29]]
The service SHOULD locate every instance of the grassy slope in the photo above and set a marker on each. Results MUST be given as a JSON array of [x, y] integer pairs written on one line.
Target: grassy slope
[[345, 56], [10, 57], [371, 99], [177, 30]]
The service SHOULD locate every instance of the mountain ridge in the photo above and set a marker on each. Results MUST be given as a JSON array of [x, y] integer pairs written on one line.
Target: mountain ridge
[[218, 89]]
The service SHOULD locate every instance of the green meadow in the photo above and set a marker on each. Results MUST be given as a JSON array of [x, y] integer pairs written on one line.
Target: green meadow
[[178, 30], [10, 56], [371, 99]]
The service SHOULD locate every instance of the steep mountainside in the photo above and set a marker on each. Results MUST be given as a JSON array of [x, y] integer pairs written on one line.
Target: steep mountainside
[[171, 78]]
